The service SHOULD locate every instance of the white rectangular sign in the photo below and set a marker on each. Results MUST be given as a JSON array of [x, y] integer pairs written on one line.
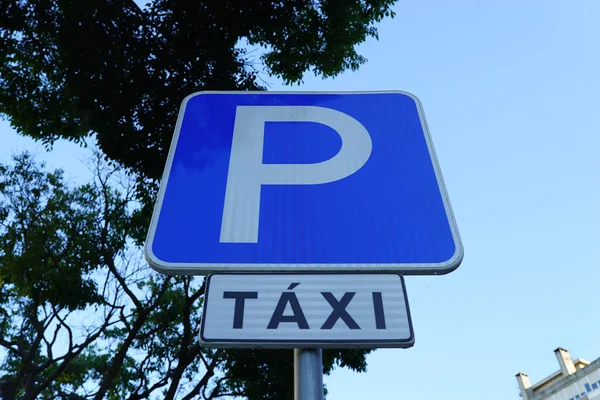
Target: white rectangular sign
[[290, 310]]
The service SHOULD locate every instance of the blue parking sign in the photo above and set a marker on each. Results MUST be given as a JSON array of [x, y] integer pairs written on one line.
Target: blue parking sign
[[297, 181]]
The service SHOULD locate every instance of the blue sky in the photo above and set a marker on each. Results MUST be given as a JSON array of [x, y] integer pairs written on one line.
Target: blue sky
[[510, 94]]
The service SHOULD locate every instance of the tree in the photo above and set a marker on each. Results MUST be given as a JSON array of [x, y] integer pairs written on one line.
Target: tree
[[113, 73], [82, 317]]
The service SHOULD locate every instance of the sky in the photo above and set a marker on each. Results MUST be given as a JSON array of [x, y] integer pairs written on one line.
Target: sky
[[509, 90]]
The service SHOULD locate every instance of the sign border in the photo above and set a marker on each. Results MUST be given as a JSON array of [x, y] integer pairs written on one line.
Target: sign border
[[171, 268], [291, 344]]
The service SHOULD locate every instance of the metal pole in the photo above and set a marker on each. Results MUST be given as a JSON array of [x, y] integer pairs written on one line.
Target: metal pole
[[308, 374]]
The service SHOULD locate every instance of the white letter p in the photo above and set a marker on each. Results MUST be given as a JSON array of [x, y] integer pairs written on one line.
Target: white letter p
[[247, 173]]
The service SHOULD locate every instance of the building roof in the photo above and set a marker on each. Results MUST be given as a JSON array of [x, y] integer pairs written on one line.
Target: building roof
[[570, 371]]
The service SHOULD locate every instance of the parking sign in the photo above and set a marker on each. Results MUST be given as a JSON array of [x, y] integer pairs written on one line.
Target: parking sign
[[300, 182]]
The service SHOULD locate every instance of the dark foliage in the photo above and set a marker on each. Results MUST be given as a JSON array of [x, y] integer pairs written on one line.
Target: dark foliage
[[70, 69]]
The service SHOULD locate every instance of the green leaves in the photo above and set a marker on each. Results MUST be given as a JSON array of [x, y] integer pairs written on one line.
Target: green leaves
[[80, 69], [319, 36], [47, 236], [80, 315]]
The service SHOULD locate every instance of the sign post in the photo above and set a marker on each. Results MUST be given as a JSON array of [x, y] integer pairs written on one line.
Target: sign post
[[306, 209], [308, 374]]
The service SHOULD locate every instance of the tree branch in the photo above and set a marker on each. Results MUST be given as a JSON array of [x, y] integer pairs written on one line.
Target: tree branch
[[67, 327], [74, 351], [184, 354], [9, 346], [49, 344], [204, 381], [25, 372], [215, 393], [109, 261], [115, 366]]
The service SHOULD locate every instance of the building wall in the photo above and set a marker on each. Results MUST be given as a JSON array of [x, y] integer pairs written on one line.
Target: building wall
[[589, 383], [557, 377]]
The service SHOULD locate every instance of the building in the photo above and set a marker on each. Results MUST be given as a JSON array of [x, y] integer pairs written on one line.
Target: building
[[575, 380]]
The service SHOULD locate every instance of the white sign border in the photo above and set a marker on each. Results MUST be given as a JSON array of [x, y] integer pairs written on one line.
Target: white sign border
[[291, 344], [171, 268]]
